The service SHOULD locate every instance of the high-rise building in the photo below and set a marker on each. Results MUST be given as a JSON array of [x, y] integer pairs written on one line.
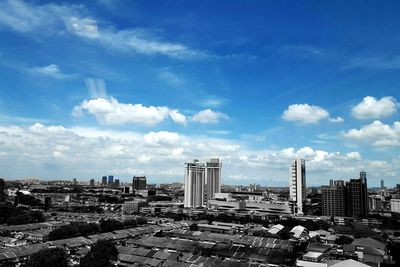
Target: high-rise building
[[333, 199], [139, 183], [382, 184], [91, 182], [357, 196], [110, 180], [116, 183], [194, 184], [126, 189], [104, 180], [213, 177], [297, 185], [74, 181], [2, 186]]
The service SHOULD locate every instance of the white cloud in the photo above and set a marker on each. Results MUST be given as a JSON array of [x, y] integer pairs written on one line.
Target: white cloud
[[54, 151], [372, 108], [170, 77], [161, 138], [336, 120], [83, 27], [51, 70], [112, 112], [305, 114], [377, 134], [27, 17], [208, 116]]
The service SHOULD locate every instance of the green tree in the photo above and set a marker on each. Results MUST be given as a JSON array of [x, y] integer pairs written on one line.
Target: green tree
[[110, 225], [141, 220], [49, 257], [100, 254]]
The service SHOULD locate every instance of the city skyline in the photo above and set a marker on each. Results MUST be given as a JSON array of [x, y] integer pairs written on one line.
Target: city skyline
[[100, 89]]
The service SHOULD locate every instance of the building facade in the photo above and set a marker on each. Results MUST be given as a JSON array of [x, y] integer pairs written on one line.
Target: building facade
[[110, 180], [104, 181], [297, 185], [213, 177], [357, 196], [2, 186], [194, 184], [333, 198], [139, 183]]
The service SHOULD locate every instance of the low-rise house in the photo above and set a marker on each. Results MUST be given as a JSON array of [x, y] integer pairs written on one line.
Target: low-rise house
[[38, 236], [12, 242], [299, 232]]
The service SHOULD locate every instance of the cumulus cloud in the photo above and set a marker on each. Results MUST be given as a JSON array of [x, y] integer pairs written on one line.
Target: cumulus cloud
[[307, 114], [377, 134], [372, 108], [161, 138], [208, 116], [54, 151], [112, 112]]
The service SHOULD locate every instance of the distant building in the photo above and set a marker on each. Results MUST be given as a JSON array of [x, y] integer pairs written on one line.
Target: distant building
[[74, 181], [2, 186], [194, 184], [213, 174], [139, 183], [297, 185], [382, 184], [333, 199], [395, 205], [116, 183], [357, 196], [130, 207], [110, 180], [91, 182], [126, 189], [104, 181]]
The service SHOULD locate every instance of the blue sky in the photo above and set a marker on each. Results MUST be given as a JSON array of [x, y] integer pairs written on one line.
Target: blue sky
[[139, 87]]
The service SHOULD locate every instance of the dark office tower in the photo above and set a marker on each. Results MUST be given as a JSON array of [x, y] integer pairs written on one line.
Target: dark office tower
[[47, 203], [110, 180], [91, 182], [116, 183], [357, 196], [382, 184], [2, 185], [74, 181], [139, 183], [333, 199], [126, 189]]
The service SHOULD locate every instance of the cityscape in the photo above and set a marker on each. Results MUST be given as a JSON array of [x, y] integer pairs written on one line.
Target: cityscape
[[199, 133]]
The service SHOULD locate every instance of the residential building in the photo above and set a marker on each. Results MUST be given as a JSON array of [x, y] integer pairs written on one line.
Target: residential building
[[194, 184], [395, 205], [130, 207], [375, 202], [333, 199], [297, 185], [139, 183], [213, 177]]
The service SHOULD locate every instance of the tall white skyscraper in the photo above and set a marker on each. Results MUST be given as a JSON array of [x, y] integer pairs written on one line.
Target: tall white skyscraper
[[194, 184], [213, 176], [297, 185]]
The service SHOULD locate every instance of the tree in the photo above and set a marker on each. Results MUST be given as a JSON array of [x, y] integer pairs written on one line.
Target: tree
[[49, 257], [100, 254], [194, 227], [343, 240], [141, 220], [110, 225], [65, 231]]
